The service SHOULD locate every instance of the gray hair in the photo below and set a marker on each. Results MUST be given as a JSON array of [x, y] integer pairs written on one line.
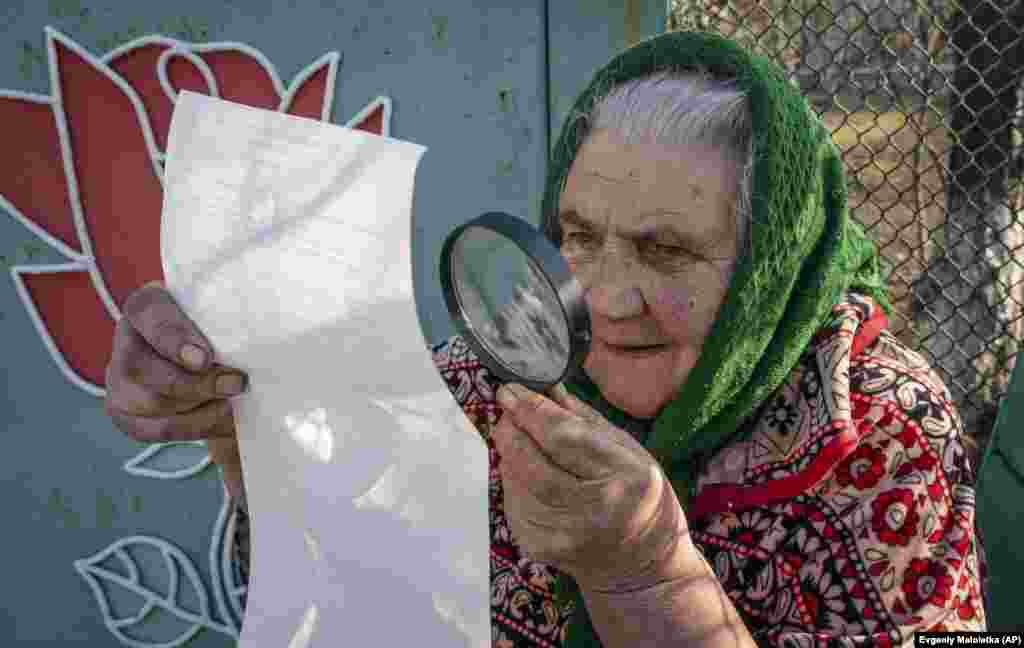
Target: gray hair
[[680, 107]]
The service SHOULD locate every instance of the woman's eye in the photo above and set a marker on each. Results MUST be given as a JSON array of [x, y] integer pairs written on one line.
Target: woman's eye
[[663, 249], [580, 238]]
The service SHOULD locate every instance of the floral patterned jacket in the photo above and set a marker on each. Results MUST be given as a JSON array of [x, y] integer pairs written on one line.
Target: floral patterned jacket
[[846, 518]]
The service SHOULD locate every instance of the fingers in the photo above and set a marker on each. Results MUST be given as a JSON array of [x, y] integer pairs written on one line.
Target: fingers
[[233, 482], [208, 420], [224, 452], [561, 395], [525, 464], [154, 315], [162, 383], [156, 393], [581, 446], [142, 382]]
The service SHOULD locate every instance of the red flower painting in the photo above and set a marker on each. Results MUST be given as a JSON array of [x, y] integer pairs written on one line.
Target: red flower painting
[[82, 169]]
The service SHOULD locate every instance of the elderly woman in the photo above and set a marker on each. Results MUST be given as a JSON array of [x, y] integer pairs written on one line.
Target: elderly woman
[[749, 456]]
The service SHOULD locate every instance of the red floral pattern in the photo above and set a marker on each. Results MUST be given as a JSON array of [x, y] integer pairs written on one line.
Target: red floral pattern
[[927, 581], [846, 518], [894, 516], [864, 468]]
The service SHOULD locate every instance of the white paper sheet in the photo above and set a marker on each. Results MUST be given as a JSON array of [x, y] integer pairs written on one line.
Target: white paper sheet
[[287, 241]]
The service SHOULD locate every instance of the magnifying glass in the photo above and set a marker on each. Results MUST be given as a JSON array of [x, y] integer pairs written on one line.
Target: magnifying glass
[[514, 300]]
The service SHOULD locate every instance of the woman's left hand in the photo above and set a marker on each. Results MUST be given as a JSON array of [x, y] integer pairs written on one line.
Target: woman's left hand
[[583, 495]]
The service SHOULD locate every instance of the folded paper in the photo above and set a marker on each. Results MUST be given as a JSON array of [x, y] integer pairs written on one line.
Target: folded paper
[[287, 241]]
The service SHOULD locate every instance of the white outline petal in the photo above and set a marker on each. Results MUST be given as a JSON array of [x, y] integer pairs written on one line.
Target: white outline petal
[[52, 36], [54, 242], [332, 60], [136, 465], [194, 59], [104, 69], [152, 39], [369, 108], [44, 333], [252, 52], [108, 59]]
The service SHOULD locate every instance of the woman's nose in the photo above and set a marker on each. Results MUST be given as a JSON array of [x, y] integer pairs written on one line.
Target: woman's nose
[[609, 284], [615, 301]]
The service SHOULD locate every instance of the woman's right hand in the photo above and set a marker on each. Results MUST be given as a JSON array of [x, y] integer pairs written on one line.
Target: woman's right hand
[[163, 384]]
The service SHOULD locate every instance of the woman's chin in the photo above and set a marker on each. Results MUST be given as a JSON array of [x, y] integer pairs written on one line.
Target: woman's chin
[[640, 409], [639, 388], [638, 396]]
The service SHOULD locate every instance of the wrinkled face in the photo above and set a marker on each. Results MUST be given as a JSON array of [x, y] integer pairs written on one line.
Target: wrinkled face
[[650, 233]]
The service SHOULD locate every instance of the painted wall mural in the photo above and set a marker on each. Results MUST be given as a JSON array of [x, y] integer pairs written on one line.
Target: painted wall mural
[[82, 170]]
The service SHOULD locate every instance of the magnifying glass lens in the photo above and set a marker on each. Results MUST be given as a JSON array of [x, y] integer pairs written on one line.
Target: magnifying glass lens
[[515, 301], [510, 305]]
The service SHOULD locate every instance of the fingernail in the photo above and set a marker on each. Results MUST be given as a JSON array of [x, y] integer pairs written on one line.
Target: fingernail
[[231, 384], [506, 397], [193, 356]]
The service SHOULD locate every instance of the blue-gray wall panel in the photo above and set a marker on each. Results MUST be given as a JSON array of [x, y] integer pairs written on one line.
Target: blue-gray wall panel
[[466, 80]]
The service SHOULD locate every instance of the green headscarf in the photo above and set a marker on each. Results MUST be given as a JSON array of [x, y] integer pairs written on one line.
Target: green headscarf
[[805, 253]]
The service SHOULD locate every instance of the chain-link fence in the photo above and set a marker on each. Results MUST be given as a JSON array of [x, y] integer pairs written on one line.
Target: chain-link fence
[[924, 99]]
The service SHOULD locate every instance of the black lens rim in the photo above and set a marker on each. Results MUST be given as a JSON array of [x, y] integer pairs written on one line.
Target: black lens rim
[[554, 270]]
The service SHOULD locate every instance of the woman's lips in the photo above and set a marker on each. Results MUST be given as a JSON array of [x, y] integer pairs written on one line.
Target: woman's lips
[[634, 351]]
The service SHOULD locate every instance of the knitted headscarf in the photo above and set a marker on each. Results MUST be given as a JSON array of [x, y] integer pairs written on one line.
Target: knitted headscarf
[[804, 253]]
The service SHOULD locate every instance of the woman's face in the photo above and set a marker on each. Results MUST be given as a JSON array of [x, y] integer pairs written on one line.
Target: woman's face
[[650, 233]]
